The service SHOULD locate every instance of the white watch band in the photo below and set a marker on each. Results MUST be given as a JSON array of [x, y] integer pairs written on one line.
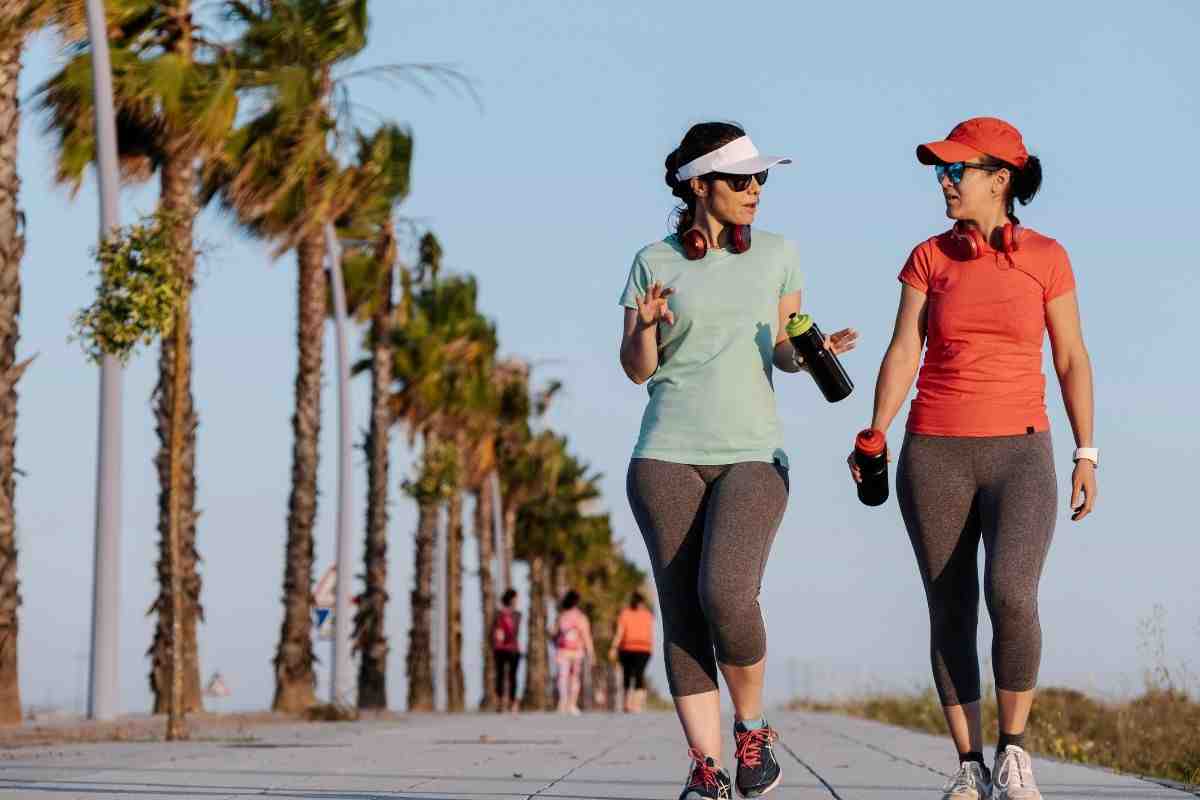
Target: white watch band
[[1091, 454]]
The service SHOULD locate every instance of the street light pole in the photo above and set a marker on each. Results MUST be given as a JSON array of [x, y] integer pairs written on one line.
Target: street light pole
[[103, 684], [342, 684]]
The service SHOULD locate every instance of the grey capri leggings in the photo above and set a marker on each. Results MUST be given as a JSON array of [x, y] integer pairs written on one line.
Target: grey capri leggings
[[708, 530], [954, 491]]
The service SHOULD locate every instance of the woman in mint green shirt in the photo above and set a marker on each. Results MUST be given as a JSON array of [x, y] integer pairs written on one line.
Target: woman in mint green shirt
[[704, 325]]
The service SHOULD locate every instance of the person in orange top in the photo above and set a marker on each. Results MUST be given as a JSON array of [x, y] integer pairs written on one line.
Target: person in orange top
[[977, 462], [632, 646]]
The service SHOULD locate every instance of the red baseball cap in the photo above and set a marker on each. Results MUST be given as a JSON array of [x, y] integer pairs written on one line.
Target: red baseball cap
[[973, 138]]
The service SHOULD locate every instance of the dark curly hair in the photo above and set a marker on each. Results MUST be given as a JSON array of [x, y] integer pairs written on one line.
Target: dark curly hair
[[700, 139]]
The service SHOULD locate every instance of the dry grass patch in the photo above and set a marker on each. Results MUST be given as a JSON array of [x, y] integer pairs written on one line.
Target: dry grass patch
[[1156, 734]]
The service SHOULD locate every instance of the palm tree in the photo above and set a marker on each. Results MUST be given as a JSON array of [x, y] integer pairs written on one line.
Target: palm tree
[[369, 268], [280, 178], [517, 407], [18, 20], [441, 371], [429, 490], [455, 685], [175, 104], [470, 346], [527, 475], [480, 484], [482, 424]]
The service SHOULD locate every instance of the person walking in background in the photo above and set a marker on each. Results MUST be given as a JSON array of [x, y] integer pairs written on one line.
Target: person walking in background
[[572, 646], [506, 647], [977, 461], [632, 645]]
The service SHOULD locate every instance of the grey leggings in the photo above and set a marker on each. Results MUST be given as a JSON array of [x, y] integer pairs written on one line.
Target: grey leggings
[[953, 491], [708, 530]]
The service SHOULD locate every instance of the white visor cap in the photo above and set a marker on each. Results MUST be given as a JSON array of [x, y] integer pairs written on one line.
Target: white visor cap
[[739, 157]]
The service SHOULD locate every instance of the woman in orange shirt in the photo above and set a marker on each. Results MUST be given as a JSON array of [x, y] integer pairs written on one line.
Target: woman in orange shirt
[[977, 462], [632, 646]]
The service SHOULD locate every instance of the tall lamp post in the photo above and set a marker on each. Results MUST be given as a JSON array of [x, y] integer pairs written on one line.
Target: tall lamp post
[[103, 681], [342, 683]]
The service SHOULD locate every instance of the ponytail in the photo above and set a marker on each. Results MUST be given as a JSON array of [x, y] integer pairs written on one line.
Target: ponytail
[[1022, 185], [685, 213]]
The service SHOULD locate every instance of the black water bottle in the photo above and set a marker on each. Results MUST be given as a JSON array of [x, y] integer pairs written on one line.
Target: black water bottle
[[870, 454], [826, 370]]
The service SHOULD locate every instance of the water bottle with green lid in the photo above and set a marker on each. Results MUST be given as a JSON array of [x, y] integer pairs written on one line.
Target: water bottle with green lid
[[823, 364]]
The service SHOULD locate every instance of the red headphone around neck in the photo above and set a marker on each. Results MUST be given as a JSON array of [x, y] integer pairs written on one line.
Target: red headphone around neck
[[695, 243], [968, 240]]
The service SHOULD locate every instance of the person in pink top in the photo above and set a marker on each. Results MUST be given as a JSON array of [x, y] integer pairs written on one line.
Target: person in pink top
[[572, 645]]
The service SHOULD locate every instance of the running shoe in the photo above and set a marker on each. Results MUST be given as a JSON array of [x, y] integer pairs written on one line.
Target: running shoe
[[1013, 776], [705, 780], [971, 783], [757, 770]]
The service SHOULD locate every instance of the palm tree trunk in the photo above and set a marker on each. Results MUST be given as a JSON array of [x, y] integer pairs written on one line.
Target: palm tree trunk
[[537, 670], [189, 560], [294, 677], [176, 727], [176, 426], [175, 415], [370, 634], [455, 691], [193, 611], [420, 635], [12, 248], [484, 534], [510, 542], [558, 580], [548, 594]]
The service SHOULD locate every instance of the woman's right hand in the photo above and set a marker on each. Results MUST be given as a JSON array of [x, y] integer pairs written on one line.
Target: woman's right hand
[[855, 472], [652, 307]]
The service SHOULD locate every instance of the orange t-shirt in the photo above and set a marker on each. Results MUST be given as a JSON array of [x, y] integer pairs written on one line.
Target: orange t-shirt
[[985, 323], [639, 630]]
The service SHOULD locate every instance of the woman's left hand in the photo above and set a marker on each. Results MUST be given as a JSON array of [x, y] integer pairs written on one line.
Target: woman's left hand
[[1083, 482], [842, 342]]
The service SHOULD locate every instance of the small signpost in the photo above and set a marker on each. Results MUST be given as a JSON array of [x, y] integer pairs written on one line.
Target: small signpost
[[324, 599]]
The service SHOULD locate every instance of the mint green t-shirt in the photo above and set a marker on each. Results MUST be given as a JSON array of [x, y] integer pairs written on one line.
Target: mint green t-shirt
[[712, 400]]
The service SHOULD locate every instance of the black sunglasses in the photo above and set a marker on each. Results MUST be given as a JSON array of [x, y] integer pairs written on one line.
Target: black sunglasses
[[955, 170], [739, 183]]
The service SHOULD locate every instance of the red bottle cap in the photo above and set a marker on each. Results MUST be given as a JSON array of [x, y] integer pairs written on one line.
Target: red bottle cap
[[870, 442]]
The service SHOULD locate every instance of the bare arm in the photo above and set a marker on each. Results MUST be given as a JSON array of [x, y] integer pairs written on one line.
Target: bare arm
[[1074, 368], [900, 363], [587, 639], [639, 337], [902, 359], [616, 642]]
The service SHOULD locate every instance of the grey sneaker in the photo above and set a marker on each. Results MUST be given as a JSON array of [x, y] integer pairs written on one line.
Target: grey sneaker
[[1013, 776], [705, 780], [971, 783]]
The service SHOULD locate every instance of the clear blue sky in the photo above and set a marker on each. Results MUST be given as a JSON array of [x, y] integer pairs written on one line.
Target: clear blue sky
[[546, 194]]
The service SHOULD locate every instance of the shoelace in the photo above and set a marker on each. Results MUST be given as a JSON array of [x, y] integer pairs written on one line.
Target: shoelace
[[1015, 760], [702, 774], [750, 744]]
